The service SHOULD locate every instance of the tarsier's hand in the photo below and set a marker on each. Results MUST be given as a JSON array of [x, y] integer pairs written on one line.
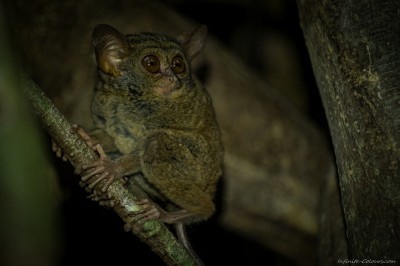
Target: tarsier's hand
[[103, 169]]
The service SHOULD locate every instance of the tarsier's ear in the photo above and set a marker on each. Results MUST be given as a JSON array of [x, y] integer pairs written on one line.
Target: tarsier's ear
[[110, 47], [194, 42]]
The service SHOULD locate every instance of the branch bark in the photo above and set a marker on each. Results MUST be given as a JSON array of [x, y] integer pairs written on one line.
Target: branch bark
[[353, 47], [154, 233]]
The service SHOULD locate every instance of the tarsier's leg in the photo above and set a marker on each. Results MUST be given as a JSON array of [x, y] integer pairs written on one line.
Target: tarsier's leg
[[151, 211], [173, 165]]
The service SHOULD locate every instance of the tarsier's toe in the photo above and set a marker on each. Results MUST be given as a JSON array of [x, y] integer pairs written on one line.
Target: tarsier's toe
[[134, 227], [104, 199], [81, 132], [143, 202], [138, 218], [147, 212], [74, 128], [78, 169], [58, 151], [107, 203], [127, 227], [99, 196]]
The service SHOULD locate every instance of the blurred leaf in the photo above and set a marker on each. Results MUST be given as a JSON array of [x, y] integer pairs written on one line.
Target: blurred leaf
[[27, 225]]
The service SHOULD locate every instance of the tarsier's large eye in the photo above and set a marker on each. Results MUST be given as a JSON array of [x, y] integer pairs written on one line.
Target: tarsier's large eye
[[178, 65], [151, 63]]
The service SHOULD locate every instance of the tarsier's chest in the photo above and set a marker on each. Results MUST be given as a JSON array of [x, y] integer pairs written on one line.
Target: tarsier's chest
[[129, 134], [128, 130], [128, 139], [119, 118]]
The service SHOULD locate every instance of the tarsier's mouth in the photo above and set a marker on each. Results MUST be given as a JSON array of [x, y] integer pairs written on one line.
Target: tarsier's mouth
[[166, 86], [170, 90]]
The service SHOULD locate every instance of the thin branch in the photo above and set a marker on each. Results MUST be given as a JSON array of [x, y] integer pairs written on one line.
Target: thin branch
[[154, 233]]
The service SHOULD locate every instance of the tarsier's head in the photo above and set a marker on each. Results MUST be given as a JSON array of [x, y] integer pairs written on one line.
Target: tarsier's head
[[147, 63]]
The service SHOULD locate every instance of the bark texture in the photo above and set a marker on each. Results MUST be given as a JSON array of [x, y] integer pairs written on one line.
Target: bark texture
[[354, 49]]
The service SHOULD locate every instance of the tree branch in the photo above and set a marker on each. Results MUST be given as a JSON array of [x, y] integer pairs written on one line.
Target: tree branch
[[154, 233]]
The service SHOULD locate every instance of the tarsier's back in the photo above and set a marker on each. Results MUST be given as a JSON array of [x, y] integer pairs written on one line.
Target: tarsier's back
[[151, 110]]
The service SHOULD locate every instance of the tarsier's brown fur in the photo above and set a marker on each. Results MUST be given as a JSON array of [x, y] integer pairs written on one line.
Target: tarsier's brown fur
[[156, 122]]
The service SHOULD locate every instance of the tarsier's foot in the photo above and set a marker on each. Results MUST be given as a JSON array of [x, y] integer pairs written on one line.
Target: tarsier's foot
[[103, 169], [104, 199], [151, 211]]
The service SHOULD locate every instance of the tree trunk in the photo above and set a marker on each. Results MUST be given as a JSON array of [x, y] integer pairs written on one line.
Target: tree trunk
[[353, 47]]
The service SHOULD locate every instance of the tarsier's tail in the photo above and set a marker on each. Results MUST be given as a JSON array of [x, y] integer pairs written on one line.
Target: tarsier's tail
[[183, 238]]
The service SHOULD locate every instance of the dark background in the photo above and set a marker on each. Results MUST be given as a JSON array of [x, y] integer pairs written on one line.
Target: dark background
[[249, 29]]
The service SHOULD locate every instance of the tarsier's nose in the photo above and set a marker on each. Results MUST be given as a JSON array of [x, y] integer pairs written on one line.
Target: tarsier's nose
[[168, 83], [174, 82], [172, 79]]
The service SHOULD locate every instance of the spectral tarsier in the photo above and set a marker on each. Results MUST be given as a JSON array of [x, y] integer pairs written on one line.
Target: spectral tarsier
[[155, 124]]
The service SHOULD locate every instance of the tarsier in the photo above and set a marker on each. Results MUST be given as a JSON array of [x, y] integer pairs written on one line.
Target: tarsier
[[154, 125]]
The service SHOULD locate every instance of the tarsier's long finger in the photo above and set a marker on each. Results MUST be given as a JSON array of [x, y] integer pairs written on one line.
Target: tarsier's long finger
[[96, 164], [85, 136], [96, 171], [97, 196], [147, 211], [144, 207], [81, 132], [107, 203], [140, 217], [98, 179], [107, 183], [136, 213], [79, 169], [149, 215], [101, 152], [144, 203]]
